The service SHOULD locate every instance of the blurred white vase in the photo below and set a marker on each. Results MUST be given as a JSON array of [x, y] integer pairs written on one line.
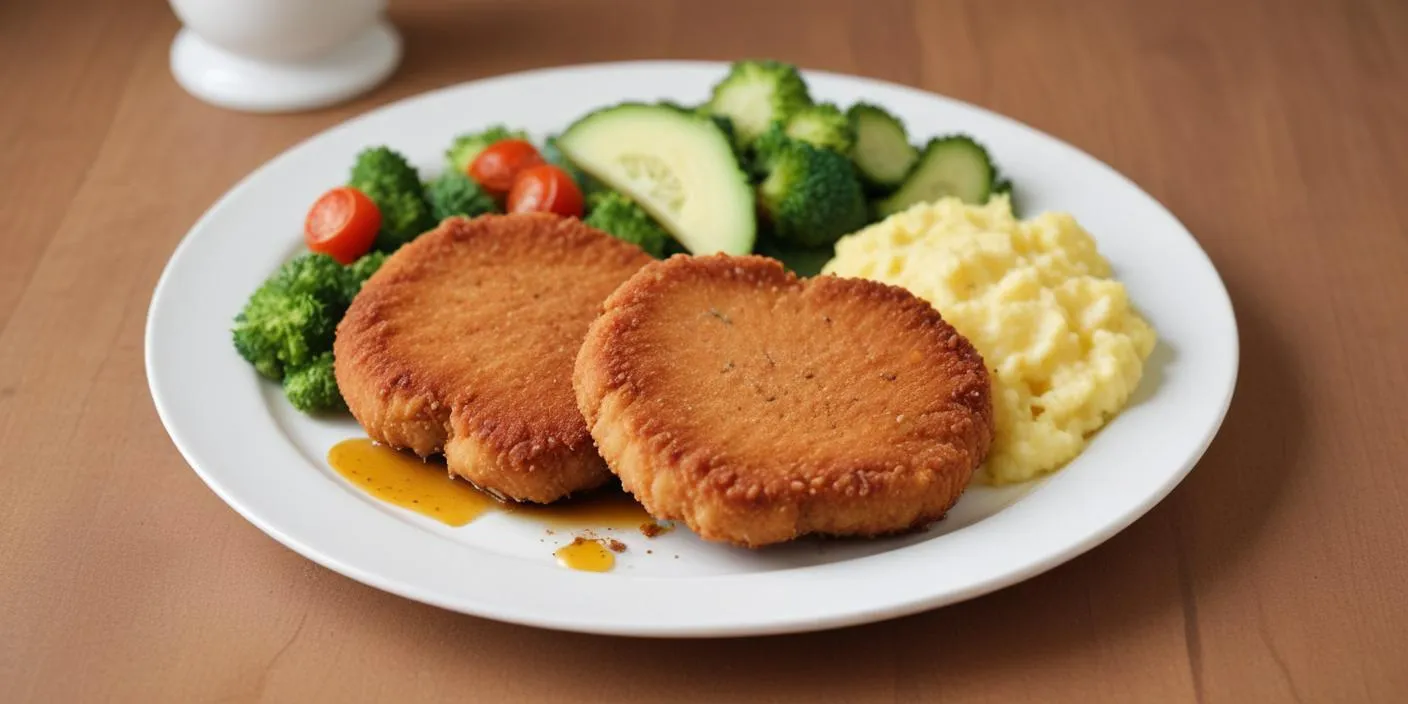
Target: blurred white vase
[[282, 55]]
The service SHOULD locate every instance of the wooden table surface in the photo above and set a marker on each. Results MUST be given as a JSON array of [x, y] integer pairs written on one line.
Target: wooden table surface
[[1277, 130]]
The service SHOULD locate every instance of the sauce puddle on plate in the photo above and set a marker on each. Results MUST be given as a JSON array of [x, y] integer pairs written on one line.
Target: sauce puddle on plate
[[409, 482], [588, 555], [426, 487]]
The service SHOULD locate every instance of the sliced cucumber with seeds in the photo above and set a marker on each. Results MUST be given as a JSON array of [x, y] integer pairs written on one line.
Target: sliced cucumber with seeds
[[882, 152], [949, 166], [678, 166]]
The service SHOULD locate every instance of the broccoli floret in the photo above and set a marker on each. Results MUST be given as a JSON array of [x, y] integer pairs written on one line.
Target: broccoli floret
[[619, 216], [357, 273], [765, 147], [278, 330], [312, 387], [757, 93], [811, 196], [290, 319], [404, 216], [822, 125], [393, 184], [385, 166], [453, 193], [318, 275], [467, 146]]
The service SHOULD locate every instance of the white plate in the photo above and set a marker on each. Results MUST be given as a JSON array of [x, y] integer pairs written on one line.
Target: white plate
[[267, 461]]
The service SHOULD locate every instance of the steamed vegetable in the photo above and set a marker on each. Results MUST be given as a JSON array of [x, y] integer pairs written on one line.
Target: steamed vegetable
[[454, 193], [467, 146], [289, 320], [286, 328], [313, 388], [621, 218], [949, 166], [676, 165], [755, 94], [354, 276], [394, 186], [882, 153], [811, 196], [822, 125]]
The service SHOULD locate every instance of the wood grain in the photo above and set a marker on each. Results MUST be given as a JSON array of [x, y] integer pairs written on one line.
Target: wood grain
[[1277, 130]]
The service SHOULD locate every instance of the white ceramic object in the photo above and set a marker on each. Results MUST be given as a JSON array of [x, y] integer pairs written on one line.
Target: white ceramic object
[[267, 460], [282, 55]]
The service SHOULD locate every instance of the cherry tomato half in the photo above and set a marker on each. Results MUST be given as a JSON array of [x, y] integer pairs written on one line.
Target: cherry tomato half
[[342, 224], [545, 189], [500, 163]]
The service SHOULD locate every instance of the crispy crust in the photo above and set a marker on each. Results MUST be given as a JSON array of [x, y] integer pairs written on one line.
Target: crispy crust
[[463, 343], [757, 407]]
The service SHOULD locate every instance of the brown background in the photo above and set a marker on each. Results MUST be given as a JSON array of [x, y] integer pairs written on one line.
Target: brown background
[[1277, 130]]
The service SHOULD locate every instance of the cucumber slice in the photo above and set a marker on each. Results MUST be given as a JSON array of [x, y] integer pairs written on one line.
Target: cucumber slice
[[678, 166], [882, 152], [949, 166]]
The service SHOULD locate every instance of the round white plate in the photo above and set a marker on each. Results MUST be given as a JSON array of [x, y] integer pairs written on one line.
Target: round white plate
[[267, 461]]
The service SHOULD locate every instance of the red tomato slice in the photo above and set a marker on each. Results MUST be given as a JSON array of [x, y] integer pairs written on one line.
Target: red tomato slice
[[342, 224], [500, 163], [545, 189]]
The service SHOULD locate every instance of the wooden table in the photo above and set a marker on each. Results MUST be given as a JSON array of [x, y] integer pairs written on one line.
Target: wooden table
[[1276, 129]]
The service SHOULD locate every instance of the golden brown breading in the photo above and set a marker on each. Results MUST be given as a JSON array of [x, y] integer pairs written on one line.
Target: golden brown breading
[[463, 342], [757, 407]]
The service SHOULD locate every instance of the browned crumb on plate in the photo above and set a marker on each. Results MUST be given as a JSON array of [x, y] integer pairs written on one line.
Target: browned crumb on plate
[[615, 545], [652, 529]]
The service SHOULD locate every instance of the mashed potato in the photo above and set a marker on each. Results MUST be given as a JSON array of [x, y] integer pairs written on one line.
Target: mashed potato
[[1036, 299]]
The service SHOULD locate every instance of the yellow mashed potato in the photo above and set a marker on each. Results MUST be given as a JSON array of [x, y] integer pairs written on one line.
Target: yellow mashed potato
[[1036, 299]]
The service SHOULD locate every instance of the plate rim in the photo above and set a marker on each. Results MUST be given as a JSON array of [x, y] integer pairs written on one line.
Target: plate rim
[[850, 616]]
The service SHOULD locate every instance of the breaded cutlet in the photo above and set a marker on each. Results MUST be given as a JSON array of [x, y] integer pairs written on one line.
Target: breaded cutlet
[[758, 407], [463, 343]]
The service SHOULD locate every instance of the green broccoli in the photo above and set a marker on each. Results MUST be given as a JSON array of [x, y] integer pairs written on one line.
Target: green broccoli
[[384, 165], [357, 273], [467, 146], [404, 216], [767, 145], [757, 93], [453, 193], [393, 184], [811, 196], [822, 125], [312, 388], [620, 217], [318, 275], [290, 319]]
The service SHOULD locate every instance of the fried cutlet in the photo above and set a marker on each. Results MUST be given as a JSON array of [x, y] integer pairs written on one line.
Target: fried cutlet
[[463, 343], [758, 407]]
